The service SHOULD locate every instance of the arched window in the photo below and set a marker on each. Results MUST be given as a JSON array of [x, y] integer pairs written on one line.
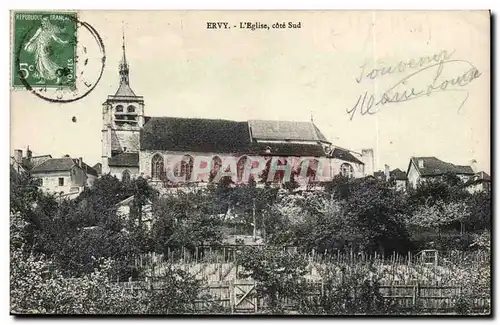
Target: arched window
[[119, 108], [157, 165], [240, 168], [130, 109], [346, 170], [312, 167], [187, 167], [215, 166], [126, 176]]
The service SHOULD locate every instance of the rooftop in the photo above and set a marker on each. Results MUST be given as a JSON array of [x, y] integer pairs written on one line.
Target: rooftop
[[431, 166]]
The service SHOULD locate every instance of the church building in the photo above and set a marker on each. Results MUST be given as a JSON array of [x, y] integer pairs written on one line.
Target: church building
[[134, 144]]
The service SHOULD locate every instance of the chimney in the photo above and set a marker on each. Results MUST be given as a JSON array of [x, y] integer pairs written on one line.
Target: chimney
[[368, 160], [80, 162], [18, 159], [420, 163], [473, 165], [18, 156], [387, 173]]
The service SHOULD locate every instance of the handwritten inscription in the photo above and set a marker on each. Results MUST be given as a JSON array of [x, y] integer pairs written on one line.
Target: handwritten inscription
[[428, 79], [403, 66]]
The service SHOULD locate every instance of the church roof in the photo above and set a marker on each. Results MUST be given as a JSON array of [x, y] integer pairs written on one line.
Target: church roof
[[288, 149], [124, 159], [125, 91], [344, 154], [192, 134], [285, 130]]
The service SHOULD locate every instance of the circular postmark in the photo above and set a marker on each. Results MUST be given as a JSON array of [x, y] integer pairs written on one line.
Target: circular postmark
[[57, 57]]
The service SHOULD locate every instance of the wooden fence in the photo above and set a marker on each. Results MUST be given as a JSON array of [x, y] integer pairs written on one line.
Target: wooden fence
[[426, 282], [239, 296], [429, 267], [229, 254]]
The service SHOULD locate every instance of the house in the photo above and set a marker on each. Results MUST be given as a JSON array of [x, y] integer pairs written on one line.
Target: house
[[124, 209], [98, 168], [22, 163], [398, 177], [480, 182], [64, 175], [242, 240], [420, 168], [156, 148]]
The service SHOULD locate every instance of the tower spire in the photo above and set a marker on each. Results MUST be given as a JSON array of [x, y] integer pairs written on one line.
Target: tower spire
[[124, 59], [124, 78]]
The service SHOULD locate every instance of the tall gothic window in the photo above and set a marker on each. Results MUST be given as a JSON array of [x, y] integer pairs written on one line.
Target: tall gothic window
[[157, 165], [187, 167], [215, 166], [126, 176], [312, 167], [240, 168], [346, 170]]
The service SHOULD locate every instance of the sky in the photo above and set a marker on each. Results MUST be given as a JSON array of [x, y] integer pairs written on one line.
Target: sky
[[184, 69]]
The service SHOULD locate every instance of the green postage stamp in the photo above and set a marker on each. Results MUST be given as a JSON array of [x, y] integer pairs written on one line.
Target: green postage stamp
[[44, 51]]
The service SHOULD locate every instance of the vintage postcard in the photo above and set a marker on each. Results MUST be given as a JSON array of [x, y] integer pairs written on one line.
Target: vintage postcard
[[250, 162]]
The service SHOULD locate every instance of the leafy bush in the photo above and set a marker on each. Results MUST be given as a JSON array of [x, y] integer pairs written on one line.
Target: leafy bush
[[38, 287], [279, 274], [353, 291]]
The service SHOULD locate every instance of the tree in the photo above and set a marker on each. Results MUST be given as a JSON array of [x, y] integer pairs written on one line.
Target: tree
[[479, 205], [379, 213], [279, 274], [446, 188], [440, 215], [37, 286], [30, 205], [185, 219], [177, 295]]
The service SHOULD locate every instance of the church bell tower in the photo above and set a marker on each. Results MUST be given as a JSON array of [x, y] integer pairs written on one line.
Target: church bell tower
[[122, 120]]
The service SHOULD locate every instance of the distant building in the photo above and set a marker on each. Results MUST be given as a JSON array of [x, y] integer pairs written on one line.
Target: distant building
[[243, 240], [125, 208], [64, 175], [420, 168], [399, 178], [25, 163], [480, 182], [98, 168]]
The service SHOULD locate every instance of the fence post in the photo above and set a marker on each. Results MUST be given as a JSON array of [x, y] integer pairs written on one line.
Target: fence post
[[255, 301], [231, 296], [415, 295]]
